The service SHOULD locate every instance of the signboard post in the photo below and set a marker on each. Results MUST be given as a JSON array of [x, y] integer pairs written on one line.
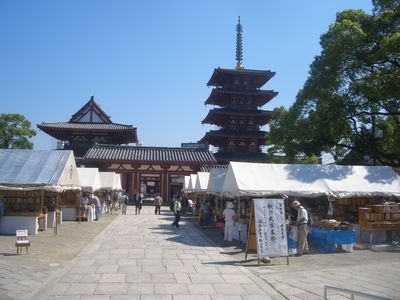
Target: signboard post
[[267, 229]]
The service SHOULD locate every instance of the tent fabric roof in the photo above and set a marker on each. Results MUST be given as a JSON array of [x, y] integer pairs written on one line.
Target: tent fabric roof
[[216, 180], [110, 181], [53, 170], [90, 179], [186, 183], [310, 180], [201, 181], [192, 182]]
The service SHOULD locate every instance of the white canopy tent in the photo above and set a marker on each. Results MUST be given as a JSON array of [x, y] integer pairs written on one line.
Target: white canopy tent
[[216, 180], [90, 179], [262, 179], [110, 181], [186, 183], [26, 177], [192, 182], [356, 181], [50, 170], [201, 182]]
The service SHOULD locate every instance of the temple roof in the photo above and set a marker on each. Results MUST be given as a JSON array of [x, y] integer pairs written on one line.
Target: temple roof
[[93, 123], [222, 116], [221, 76], [116, 133], [223, 97], [149, 154], [90, 113]]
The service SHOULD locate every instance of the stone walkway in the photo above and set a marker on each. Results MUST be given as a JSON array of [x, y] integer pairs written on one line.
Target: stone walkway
[[144, 257]]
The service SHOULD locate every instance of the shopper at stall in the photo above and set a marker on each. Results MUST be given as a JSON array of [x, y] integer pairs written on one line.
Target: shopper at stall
[[206, 213], [84, 201], [97, 206], [302, 228], [230, 217]]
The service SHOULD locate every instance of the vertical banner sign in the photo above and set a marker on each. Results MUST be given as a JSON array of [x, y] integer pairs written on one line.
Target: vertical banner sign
[[270, 225]]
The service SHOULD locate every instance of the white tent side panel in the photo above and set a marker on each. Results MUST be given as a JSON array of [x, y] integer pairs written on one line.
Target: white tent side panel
[[69, 178], [201, 181], [216, 180], [192, 182], [186, 183], [117, 182], [90, 179], [110, 181]]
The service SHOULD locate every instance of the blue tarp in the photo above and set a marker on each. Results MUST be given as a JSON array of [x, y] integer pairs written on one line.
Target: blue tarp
[[327, 240]]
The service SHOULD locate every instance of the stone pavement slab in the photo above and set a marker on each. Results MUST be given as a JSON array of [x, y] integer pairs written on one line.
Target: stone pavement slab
[[144, 257]]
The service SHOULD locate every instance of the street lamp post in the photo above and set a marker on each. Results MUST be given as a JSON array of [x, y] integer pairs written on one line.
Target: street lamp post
[[377, 135]]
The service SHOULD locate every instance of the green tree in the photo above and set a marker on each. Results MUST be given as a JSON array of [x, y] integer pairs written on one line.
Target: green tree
[[352, 92], [15, 132]]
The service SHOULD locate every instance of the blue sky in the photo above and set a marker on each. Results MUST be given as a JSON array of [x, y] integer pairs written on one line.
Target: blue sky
[[147, 63]]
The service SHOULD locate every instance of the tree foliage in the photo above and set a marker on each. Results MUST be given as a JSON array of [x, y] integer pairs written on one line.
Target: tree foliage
[[353, 87], [15, 132]]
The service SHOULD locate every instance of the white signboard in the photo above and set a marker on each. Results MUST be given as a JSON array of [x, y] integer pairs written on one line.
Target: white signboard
[[270, 225]]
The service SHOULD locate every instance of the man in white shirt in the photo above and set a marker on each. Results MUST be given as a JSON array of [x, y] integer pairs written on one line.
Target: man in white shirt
[[302, 228], [230, 219]]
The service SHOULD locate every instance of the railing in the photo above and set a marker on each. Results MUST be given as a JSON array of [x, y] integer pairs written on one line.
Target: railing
[[352, 293]]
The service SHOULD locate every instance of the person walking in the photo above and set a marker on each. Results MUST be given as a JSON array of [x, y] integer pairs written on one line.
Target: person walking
[[302, 228], [177, 212], [158, 201], [138, 203], [124, 203], [230, 217]]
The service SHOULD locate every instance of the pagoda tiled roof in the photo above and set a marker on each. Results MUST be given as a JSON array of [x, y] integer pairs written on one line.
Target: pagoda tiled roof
[[244, 157], [149, 154], [218, 137], [222, 96], [222, 76], [261, 117]]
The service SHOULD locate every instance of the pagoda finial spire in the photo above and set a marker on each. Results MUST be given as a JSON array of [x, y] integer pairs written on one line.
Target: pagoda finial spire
[[239, 48]]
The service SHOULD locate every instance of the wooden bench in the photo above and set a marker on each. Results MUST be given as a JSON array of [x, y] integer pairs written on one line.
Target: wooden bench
[[22, 240]]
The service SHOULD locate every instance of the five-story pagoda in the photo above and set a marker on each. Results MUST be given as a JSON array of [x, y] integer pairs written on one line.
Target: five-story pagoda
[[238, 94]]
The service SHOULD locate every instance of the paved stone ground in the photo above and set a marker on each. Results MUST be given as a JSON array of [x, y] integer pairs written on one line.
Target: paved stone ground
[[303, 278]]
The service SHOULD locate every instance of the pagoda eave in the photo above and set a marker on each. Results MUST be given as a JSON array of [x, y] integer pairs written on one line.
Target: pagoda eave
[[222, 75], [222, 97]]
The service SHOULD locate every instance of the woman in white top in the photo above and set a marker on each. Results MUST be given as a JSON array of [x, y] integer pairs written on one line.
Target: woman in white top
[[230, 220]]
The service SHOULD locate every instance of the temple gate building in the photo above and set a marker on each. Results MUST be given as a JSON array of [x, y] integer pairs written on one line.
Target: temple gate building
[[100, 143]]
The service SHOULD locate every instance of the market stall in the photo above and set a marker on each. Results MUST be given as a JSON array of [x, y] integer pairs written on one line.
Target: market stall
[[317, 185], [31, 185], [90, 184]]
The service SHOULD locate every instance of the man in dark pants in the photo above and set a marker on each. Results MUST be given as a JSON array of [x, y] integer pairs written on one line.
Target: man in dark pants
[[177, 212]]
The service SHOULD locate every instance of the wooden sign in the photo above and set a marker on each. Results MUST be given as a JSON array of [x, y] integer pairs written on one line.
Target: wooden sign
[[267, 229]]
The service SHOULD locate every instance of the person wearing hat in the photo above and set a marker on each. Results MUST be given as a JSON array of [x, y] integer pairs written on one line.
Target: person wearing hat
[[302, 228], [230, 220]]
